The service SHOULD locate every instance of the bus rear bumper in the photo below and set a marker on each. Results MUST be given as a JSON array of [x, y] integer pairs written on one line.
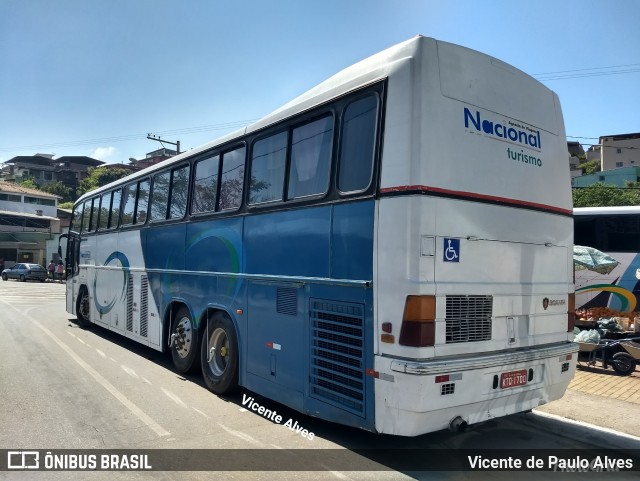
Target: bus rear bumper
[[417, 397]]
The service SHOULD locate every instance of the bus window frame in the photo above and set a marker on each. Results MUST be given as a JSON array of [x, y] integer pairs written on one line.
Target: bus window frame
[[123, 203], [136, 222], [318, 115], [219, 152], [170, 196], [288, 126], [110, 194], [377, 95], [152, 194], [264, 136]]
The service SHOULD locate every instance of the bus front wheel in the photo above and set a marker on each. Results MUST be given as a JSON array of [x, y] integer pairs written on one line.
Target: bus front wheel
[[219, 354], [83, 308], [184, 342]]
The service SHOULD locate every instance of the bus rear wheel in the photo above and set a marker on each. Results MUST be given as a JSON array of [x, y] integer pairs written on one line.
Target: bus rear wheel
[[184, 342], [83, 308], [219, 354]]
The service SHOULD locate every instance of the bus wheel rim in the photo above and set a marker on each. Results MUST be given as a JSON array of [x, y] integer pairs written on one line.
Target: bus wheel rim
[[184, 337], [84, 306], [218, 352]]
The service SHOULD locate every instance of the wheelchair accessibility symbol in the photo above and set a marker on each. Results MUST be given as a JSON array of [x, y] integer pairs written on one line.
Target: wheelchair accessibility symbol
[[451, 250]]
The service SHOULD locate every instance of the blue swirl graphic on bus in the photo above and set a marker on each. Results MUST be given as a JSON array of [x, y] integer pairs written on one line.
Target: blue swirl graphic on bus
[[124, 263], [222, 256]]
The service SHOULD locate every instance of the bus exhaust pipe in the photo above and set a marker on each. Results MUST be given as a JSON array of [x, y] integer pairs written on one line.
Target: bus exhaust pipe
[[458, 425]]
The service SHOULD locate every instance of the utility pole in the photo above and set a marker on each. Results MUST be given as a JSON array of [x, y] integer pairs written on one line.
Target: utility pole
[[153, 137]]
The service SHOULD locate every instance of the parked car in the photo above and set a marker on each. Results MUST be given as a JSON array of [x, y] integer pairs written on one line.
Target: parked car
[[25, 272]]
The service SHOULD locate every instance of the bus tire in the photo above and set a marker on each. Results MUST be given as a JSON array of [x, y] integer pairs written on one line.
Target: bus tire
[[623, 363], [83, 308], [184, 344], [219, 354]]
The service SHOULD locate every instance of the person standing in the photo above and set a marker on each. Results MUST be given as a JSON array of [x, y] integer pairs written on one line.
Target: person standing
[[60, 271], [52, 270]]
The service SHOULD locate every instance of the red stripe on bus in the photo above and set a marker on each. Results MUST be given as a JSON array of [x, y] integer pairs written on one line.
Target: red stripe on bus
[[473, 195]]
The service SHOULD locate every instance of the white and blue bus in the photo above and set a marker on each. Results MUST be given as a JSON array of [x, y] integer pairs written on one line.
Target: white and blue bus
[[616, 232], [391, 250]]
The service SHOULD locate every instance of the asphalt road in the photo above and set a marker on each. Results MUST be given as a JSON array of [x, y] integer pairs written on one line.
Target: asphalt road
[[64, 387]]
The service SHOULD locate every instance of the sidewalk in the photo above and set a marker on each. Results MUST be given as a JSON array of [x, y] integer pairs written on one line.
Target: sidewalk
[[601, 397]]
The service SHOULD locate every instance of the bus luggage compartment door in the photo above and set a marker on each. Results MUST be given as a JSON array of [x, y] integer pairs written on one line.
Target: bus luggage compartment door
[[276, 330]]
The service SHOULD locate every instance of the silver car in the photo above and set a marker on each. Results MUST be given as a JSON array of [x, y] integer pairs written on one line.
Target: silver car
[[25, 272]]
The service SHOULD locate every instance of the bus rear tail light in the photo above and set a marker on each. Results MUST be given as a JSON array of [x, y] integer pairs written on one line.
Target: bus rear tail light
[[418, 322], [571, 312]]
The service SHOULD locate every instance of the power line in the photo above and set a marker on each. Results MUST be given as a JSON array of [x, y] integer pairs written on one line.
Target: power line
[[125, 138], [585, 69], [594, 74], [588, 72]]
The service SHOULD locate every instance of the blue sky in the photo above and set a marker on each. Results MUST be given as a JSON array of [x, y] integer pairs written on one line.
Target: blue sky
[[93, 77]]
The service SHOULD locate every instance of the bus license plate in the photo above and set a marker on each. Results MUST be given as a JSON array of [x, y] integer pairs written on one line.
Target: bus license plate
[[513, 379]]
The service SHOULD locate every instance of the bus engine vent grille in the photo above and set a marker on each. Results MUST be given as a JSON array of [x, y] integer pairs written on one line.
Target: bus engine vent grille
[[337, 354], [130, 304], [144, 306], [468, 318], [287, 301]]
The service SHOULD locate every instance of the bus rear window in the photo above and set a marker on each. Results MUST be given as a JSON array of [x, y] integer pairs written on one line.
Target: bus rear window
[[357, 149]]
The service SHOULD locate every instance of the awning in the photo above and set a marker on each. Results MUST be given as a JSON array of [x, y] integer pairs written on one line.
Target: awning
[[25, 236], [13, 213]]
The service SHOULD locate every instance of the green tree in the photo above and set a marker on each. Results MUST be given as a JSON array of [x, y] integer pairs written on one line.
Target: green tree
[[605, 195], [29, 183], [99, 176], [59, 189], [590, 167]]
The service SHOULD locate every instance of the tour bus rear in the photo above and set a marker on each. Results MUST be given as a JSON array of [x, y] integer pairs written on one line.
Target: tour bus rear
[[473, 273]]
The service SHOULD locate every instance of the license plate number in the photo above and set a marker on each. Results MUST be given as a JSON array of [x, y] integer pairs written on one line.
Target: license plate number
[[513, 379]]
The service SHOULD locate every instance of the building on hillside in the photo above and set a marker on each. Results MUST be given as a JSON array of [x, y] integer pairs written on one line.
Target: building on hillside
[[28, 221], [593, 153], [622, 150], [128, 167], [153, 158], [43, 168], [576, 157]]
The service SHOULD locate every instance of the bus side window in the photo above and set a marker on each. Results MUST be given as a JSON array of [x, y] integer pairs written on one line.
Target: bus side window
[[142, 202], [105, 209], [268, 162], [205, 185], [76, 220], [160, 196], [115, 209], [310, 158], [129, 204], [95, 212], [179, 192], [86, 216], [232, 179], [357, 147]]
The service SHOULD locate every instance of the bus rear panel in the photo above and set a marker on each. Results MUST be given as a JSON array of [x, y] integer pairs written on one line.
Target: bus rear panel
[[473, 267]]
